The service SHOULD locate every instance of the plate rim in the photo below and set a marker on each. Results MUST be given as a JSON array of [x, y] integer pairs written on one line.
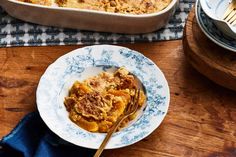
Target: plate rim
[[164, 80], [209, 35]]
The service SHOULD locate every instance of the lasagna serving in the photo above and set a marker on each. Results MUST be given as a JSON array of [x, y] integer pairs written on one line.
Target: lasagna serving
[[115, 6], [96, 103]]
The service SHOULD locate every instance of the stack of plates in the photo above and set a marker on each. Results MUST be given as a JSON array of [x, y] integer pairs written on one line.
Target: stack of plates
[[211, 31]]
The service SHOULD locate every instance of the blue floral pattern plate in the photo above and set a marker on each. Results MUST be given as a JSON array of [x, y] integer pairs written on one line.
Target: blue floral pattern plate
[[89, 61], [211, 31]]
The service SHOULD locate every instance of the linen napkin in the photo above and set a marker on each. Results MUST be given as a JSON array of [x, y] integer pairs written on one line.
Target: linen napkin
[[32, 138]]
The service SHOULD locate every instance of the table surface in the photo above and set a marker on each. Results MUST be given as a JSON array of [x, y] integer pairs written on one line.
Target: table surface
[[201, 120]]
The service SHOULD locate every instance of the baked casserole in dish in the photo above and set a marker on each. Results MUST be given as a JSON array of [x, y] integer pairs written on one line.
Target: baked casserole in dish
[[114, 6], [96, 103], [118, 16]]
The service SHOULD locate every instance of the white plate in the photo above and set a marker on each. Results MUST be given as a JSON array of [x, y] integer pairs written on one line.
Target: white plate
[[211, 31], [215, 9], [82, 63]]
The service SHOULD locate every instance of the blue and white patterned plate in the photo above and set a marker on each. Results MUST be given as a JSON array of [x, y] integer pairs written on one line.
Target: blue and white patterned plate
[[211, 31], [89, 61]]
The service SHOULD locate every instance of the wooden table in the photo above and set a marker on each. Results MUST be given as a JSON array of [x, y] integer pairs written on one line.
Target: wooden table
[[201, 120]]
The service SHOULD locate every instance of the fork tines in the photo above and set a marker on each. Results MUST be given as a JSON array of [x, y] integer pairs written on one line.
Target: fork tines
[[133, 105], [230, 13]]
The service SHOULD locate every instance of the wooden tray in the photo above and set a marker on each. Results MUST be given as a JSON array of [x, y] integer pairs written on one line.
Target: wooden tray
[[213, 61]]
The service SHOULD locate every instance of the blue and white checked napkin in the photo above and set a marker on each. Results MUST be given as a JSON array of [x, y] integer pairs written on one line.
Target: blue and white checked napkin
[[14, 32]]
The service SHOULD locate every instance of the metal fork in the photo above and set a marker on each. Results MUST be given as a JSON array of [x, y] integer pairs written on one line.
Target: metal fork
[[130, 109], [230, 13]]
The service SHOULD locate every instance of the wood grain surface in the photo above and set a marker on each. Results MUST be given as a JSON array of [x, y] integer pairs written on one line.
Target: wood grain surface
[[201, 121], [215, 62]]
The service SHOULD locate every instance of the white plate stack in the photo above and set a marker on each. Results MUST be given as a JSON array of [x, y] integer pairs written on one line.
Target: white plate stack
[[209, 15]]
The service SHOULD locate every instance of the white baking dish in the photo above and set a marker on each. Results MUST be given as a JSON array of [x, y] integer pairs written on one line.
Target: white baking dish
[[89, 19]]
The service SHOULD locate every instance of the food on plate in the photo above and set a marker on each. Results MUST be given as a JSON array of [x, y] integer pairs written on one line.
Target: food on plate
[[96, 103], [114, 6]]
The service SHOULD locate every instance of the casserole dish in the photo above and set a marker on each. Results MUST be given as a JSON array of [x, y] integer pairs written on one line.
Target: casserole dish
[[89, 19]]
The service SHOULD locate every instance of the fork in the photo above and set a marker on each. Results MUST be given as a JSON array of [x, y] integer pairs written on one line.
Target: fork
[[130, 109], [230, 13]]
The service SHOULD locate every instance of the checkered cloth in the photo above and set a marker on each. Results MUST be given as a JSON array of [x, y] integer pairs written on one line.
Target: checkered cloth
[[14, 32]]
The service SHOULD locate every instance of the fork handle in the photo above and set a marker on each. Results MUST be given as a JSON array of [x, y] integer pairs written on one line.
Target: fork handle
[[107, 138]]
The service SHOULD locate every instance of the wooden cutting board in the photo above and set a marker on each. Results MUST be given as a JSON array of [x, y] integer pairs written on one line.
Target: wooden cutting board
[[213, 61]]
